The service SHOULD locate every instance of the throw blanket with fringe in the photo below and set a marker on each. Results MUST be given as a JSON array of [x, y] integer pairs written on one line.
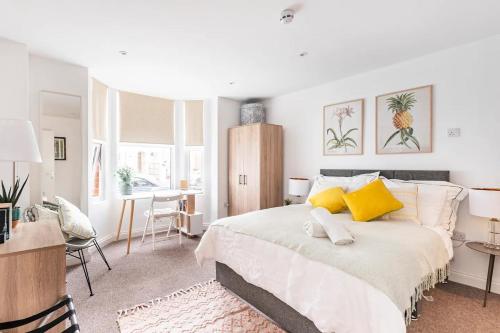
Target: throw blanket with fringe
[[401, 259]]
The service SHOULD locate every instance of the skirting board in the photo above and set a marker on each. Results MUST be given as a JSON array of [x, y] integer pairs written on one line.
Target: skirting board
[[475, 281], [110, 238]]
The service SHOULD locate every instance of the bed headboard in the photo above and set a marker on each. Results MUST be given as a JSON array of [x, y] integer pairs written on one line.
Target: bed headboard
[[392, 174]]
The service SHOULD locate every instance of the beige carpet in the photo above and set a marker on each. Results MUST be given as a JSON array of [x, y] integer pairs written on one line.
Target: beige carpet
[[205, 307], [145, 275]]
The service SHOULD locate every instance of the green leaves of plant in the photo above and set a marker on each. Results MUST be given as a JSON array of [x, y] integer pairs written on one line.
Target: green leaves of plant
[[406, 135], [125, 174], [401, 102], [14, 192], [341, 142]]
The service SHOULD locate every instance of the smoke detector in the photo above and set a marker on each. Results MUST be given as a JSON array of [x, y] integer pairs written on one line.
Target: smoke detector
[[287, 16]]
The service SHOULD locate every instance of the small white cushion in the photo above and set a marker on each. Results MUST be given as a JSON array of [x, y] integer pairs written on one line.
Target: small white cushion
[[348, 184], [73, 221], [46, 215], [431, 201]]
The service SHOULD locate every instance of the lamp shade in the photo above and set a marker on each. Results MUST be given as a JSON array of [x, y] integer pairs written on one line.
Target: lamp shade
[[18, 141], [298, 186], [484, 202]]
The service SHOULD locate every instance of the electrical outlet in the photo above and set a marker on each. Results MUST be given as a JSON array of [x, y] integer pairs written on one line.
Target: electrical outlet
[[458, 236], [453, 132]]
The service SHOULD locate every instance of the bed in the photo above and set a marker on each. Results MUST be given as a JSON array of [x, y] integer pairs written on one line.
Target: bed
[[303, 294]]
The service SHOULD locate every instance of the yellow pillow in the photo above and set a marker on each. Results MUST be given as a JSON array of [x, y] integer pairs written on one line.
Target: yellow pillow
[[371, 201], [330, 199]]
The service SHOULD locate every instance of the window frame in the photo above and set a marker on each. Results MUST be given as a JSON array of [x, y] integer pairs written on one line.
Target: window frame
[[188, 150], [102, 173]]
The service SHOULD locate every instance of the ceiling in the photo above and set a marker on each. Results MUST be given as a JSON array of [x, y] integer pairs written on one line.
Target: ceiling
[[193, 49]]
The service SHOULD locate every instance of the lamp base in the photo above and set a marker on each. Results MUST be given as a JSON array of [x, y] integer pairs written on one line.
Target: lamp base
[[494, 235]]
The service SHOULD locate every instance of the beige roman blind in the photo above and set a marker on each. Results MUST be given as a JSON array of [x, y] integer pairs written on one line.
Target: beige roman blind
[[99, 110], [194, 123], [146, 119]]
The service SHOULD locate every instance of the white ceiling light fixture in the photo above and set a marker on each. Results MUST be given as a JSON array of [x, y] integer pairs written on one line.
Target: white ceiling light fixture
[[123, 52], [287, 16], [303, 54], [231, 83]]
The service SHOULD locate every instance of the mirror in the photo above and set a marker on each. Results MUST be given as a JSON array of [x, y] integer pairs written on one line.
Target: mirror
[[61, 146]]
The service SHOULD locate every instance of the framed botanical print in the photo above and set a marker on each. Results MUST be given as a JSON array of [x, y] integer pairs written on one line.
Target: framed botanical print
[[404, 121], [343, 128], [59, 148]]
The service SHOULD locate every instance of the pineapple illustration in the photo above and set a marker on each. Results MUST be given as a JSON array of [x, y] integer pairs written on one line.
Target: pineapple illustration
[[402, 119]]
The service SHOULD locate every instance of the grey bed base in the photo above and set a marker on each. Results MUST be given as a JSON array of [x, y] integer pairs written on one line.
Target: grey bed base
[[284, 315]]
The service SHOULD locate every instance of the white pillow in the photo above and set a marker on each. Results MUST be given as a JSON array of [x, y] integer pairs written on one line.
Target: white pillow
[[454, 195], [431, 201], [407, 194], [73, 221], [348, 184], [46, 215]]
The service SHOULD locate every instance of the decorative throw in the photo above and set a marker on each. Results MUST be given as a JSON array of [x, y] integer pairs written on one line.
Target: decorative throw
[[205, 307]]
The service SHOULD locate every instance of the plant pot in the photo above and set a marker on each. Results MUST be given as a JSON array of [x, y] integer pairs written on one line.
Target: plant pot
[[16, 216], [125, 189]]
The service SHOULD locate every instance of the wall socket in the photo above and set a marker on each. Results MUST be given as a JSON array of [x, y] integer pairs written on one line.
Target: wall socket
[[453, 132], [458, 236]]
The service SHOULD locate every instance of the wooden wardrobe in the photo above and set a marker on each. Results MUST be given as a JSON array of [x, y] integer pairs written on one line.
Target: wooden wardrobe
[[255, 167]]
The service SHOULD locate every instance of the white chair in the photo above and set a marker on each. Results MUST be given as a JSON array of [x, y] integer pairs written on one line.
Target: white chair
[[155, 214]]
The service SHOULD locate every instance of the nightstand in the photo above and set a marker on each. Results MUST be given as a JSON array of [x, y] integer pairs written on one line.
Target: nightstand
[[478, 246]]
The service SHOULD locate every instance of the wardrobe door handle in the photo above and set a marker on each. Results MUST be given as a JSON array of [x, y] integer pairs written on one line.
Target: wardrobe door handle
[[244, 179], [239, 180]]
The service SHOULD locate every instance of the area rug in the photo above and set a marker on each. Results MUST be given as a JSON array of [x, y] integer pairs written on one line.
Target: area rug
[[205, 307]]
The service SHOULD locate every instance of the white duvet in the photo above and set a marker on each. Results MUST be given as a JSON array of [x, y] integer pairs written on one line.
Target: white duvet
[[334, 300]]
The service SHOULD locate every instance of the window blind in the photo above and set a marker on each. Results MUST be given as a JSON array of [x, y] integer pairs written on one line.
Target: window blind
[[146, 119], [99, 110], [193, 123]]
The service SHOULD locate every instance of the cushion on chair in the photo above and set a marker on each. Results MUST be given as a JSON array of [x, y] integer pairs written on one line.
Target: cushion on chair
[[46, 215], [73, 221]]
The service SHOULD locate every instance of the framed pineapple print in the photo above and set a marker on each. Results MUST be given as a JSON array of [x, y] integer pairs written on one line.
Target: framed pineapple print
[[404, 121], [343, 128]]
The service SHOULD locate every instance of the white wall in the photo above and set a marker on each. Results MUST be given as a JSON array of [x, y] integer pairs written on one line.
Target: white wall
[[60, 77], [465, 82], [226, 115], [14, 101]]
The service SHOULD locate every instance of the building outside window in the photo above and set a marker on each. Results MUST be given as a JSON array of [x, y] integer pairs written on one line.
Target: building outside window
[[152, 165]]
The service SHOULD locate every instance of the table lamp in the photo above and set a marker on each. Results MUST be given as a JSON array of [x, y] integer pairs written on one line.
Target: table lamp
[[18, 143], [485, 202], [298, 187]]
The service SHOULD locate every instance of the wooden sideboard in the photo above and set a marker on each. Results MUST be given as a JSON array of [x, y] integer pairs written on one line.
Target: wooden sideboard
[[32, 270]]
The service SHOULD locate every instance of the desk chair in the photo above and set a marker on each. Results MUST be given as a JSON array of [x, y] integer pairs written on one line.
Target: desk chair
[[75, 248], [156, 214]]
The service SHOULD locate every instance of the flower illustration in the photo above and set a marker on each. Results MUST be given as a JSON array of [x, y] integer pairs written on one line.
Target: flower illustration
[[343, 140]]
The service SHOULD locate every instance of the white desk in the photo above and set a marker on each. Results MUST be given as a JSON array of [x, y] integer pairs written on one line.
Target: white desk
[[188, 194]]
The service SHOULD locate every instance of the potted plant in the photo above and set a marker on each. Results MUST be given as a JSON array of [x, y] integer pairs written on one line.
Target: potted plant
[[125, 175], [12, 197]]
